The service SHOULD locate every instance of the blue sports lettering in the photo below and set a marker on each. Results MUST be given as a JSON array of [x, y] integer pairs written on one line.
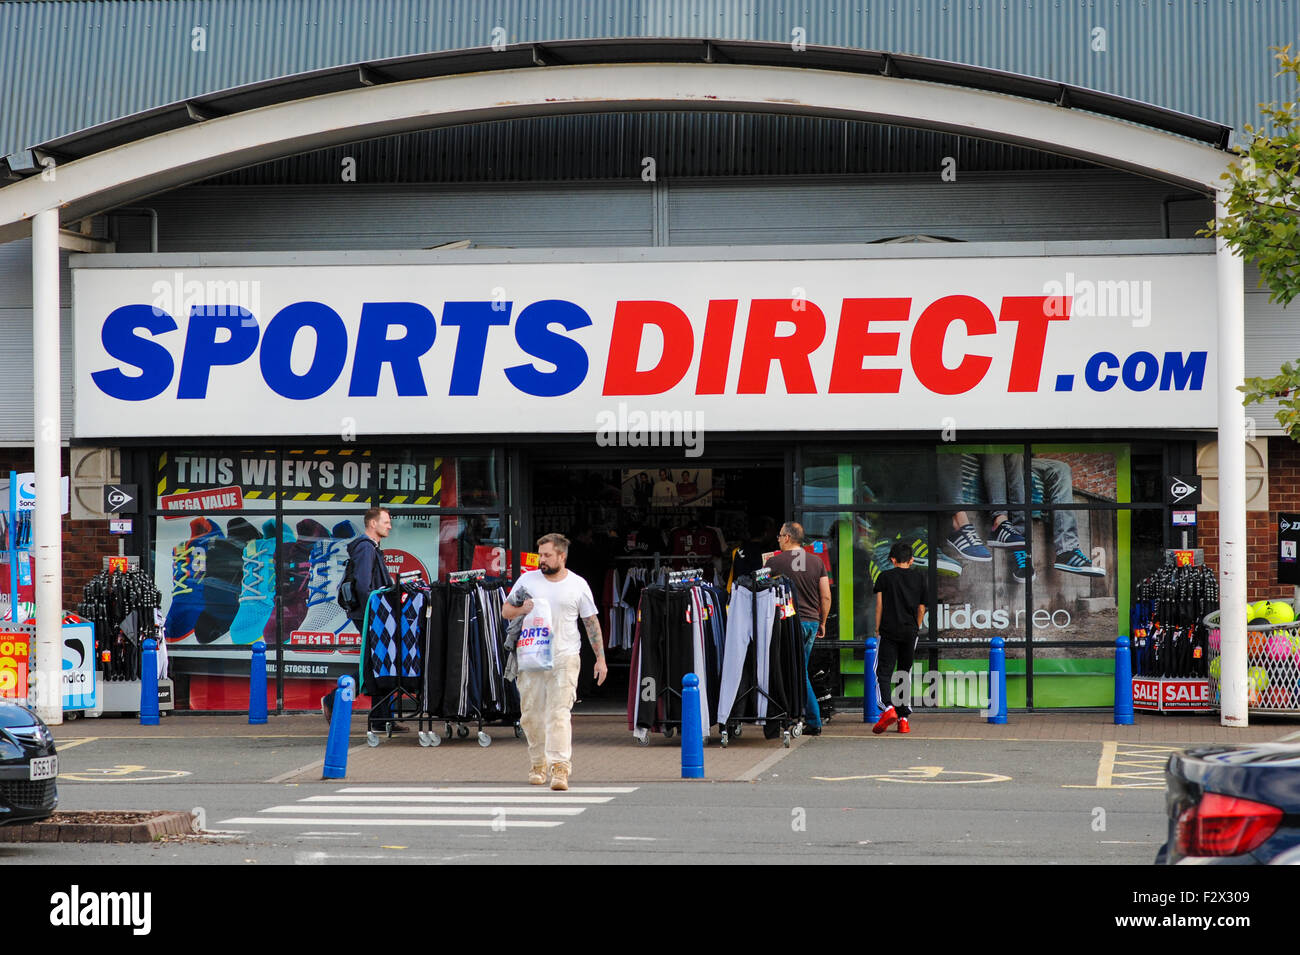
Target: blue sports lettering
[[327, 362], [154, 361]]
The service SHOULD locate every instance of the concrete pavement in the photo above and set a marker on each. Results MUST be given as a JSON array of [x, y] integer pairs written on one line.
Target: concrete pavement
[[604, 750]]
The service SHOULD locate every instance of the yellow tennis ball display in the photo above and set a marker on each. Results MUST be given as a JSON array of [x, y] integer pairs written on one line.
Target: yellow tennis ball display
[[1216, 667]]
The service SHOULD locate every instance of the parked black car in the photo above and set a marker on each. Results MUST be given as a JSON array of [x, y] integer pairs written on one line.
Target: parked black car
[[1233, 805], [28, 766]]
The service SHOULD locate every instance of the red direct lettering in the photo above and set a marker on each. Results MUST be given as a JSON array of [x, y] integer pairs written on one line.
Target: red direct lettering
[[715, 351], [1032, 312], [630, 320], [855, 341], [928, 338], [763, 346]]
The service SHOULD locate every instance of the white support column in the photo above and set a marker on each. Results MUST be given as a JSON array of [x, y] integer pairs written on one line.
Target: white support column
[[47, 530], [1232, 482]]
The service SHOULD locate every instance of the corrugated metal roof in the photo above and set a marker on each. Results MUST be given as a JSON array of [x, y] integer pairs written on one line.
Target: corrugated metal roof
[[66, 66], [580, 148]]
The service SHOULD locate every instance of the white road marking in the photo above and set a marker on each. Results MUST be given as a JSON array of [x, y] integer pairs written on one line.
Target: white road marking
[[434, 810], [480, 823], [539, 791], [484, 800], [499, 808], [634, 838]]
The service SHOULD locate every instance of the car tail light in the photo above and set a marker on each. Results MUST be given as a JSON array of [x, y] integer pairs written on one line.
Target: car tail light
[[1225, 826]]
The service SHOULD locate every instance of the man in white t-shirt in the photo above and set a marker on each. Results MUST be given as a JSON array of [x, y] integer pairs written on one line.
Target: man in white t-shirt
[[546, 696]]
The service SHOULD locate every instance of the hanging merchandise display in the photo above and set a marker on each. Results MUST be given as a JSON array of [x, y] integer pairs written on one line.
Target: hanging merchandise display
[[435, 653], [679, 630], [124, 608], [1171, 642], [763, 670]]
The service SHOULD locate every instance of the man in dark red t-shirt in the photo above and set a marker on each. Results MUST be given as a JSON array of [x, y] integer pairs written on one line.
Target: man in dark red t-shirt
[[812, 588]]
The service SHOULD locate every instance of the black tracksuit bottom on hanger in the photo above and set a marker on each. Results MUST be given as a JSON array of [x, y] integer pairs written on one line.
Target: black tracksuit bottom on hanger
[[896, 653], [667, 654]]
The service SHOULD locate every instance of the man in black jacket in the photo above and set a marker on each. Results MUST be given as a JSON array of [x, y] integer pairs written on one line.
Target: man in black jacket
[[369, 572]]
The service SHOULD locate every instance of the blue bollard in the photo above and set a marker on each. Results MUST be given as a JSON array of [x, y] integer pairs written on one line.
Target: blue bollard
[[997, 709], [336, 747], [1123, 683], [257, 686], [870, 707], [149, 684], [692, 742]]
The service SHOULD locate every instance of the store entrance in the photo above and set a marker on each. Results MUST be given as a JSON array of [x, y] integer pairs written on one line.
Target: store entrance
[[633, 517]]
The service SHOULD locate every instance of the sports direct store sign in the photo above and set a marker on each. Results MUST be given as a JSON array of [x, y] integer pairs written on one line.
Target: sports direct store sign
[[852, 344]]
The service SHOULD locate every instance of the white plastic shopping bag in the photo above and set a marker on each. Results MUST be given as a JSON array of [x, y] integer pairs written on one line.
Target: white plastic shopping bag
[[535, 639]]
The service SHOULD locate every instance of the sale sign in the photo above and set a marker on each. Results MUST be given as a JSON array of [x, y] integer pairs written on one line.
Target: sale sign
[[497, 561], [14, 652]]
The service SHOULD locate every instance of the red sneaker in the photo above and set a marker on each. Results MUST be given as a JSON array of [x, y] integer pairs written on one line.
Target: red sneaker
[[903, 726], [887, 719]]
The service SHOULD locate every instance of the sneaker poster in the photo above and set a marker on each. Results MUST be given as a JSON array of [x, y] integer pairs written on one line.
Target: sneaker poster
[[219, 569], [1073, 560]]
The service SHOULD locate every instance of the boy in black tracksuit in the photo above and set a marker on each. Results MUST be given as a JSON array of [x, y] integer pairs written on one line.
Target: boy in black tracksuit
[[900, 606]]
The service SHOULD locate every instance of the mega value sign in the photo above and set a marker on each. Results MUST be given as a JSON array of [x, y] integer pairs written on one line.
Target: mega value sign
[[990, 343]]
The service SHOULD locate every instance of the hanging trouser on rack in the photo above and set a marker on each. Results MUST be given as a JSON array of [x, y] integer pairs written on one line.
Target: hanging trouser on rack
[[667, 654], [746, 608], [435, 653], [455, 694], [699, 629], [894, 655]]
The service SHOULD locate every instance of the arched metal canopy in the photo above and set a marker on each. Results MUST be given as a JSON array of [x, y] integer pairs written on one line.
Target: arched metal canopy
[[156, 150]]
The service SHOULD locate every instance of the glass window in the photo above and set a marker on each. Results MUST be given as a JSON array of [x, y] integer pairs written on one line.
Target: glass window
[[313, 479], [217, 576], [875, 475], [426, 479], [855, 546], [1079, 473]]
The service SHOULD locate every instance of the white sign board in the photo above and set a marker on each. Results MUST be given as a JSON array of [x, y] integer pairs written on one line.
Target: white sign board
[[27, 492], [857, 344]]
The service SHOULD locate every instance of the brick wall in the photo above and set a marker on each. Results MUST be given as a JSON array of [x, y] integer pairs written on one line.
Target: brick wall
[[1093, 473], [85, 543], [1261, 553]]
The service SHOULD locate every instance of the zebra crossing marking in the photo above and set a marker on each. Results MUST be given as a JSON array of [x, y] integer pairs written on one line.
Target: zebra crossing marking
[[495, 807]]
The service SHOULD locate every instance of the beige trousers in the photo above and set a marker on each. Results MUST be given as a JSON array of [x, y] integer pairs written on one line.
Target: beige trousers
[[545, 700]]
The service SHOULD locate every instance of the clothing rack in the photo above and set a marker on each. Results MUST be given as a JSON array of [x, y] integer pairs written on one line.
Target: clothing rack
[[790, 723], [667, 651], [389, 708], [470, 682]]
